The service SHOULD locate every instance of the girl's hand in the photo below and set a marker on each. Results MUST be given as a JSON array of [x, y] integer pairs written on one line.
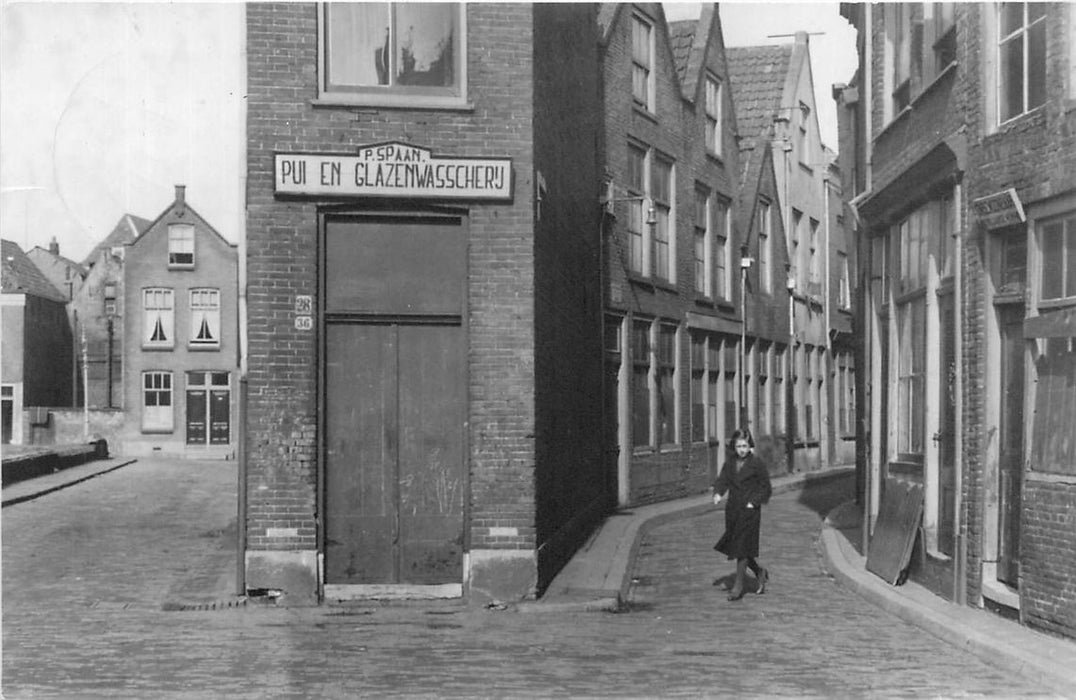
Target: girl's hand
[[750, 505], [717, 498]]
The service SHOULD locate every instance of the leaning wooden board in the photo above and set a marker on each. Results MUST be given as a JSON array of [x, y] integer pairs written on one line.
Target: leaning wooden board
[[894, 533]]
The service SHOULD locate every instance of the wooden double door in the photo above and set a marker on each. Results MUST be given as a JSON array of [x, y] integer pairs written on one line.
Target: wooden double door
[[394, 393]]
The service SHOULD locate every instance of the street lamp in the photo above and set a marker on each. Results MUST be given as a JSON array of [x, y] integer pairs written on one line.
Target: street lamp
[[745, 265]]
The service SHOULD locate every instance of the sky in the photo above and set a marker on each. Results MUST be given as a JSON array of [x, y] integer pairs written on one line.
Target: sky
[[105, 107]]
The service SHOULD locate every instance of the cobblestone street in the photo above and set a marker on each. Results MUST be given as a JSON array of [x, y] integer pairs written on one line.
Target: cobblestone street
[[86, 570]]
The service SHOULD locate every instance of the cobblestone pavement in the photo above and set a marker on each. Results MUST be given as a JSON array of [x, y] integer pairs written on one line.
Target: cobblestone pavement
[[85, 571]]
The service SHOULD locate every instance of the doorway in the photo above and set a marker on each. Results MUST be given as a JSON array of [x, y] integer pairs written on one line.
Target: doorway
[[208, 408], [1011, 441], [394, 391]]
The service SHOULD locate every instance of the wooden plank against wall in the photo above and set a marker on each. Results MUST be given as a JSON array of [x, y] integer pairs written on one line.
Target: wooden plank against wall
[[899, 518]]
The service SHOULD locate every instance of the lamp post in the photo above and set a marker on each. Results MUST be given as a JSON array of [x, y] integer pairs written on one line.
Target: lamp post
[[790, 285], [745, 265]]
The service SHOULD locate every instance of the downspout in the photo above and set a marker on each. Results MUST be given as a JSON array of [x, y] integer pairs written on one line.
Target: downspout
[[960, 576], [827, 439], [241, 281]]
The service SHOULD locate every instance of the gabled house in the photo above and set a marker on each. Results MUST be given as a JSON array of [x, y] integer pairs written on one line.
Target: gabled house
[[672, 236], [64, 274], [98, 311], [767, 371], [773, 90], [180, 337], [37, 352]]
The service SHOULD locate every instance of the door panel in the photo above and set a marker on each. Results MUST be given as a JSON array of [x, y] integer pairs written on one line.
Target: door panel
[[219, 416], [1011, 442], [431, 454], [360, 427], [196, 416]]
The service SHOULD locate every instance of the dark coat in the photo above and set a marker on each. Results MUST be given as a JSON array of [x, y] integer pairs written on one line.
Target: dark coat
[[751, 484]]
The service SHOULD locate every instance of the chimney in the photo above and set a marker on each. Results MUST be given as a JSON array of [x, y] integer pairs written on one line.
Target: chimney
[[54, 247], [181, 199]]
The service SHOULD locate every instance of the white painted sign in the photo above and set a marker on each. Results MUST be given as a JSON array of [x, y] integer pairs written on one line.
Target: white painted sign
[[392, 170], [304, 304], [304, 323]]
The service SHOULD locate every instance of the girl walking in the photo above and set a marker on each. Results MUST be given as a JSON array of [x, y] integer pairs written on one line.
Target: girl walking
[[746, 480]]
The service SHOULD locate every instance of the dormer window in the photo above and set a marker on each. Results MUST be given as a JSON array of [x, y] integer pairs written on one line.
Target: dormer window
[[180, 245], [642, 62], [714, 116]]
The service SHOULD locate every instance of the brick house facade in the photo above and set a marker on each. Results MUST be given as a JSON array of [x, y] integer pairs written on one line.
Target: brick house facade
[[180, 343], [468, 302], [965, 196]]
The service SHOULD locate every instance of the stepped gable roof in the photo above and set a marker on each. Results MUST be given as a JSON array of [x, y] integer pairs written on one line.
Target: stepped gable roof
[[21, 276], [757, 74], [127, 229], [681, 38]]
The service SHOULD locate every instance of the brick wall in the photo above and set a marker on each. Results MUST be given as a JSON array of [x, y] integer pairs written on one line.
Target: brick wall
[[573, 484]]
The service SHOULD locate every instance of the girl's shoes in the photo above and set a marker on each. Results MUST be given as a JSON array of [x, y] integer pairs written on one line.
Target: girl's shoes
[[763, 579]]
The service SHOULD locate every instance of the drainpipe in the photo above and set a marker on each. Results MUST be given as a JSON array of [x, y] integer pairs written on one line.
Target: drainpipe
[[960, 574], [241, 298]]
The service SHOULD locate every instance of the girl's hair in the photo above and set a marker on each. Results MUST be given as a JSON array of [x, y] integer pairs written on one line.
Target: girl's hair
[[743, 434]]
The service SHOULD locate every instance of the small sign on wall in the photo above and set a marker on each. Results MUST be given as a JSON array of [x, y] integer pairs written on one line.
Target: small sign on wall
[[304, 323], [304, 304]]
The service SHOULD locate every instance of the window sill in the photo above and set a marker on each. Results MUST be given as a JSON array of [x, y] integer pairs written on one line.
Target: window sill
[[716, 157], [1057, 303], [642, 111], [158, 348], [373, 102], [651, 284], [158, 431], [1021, 122], [204, 348], [173, 266]]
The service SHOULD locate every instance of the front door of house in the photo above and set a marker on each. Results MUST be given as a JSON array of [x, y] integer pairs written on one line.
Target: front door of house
[[208, 408], [395, 399], [1011, 441]]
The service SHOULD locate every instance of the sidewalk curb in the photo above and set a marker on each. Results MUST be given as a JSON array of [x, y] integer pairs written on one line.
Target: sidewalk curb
[[15, 500], [1033, 655], [613, 596]]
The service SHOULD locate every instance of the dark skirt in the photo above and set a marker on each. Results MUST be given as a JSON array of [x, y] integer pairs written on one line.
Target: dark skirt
[[740, 540]]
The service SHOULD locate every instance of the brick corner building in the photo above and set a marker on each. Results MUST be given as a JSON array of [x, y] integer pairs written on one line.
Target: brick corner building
[[423, 301]]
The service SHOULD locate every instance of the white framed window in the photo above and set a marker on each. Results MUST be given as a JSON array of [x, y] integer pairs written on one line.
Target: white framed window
[[898, 34], [699, 407], [815, 259], [765, 240], [157, 401], [703, 243], [662, 195], [1057, 241], [110, 303], [779, 399], [1021, 58], [398, 53], [714, 116], [180, 245], [638, 229], [158, 317], [721, 224], [205, 317], [642, 62], [844, 291]]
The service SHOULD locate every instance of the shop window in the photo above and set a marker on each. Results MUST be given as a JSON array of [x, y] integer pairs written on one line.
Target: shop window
[[714, 116], [180, 245], [1021, 58], [911, 366], [640, 383], [642, 62], [157, 401], [698, 387], [713, 389], [666, 389], [205, 318], [393, 53], [158, 314]]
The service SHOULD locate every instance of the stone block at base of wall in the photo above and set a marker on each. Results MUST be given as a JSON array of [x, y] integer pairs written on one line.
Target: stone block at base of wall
[[505, 575], [294, 574]]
